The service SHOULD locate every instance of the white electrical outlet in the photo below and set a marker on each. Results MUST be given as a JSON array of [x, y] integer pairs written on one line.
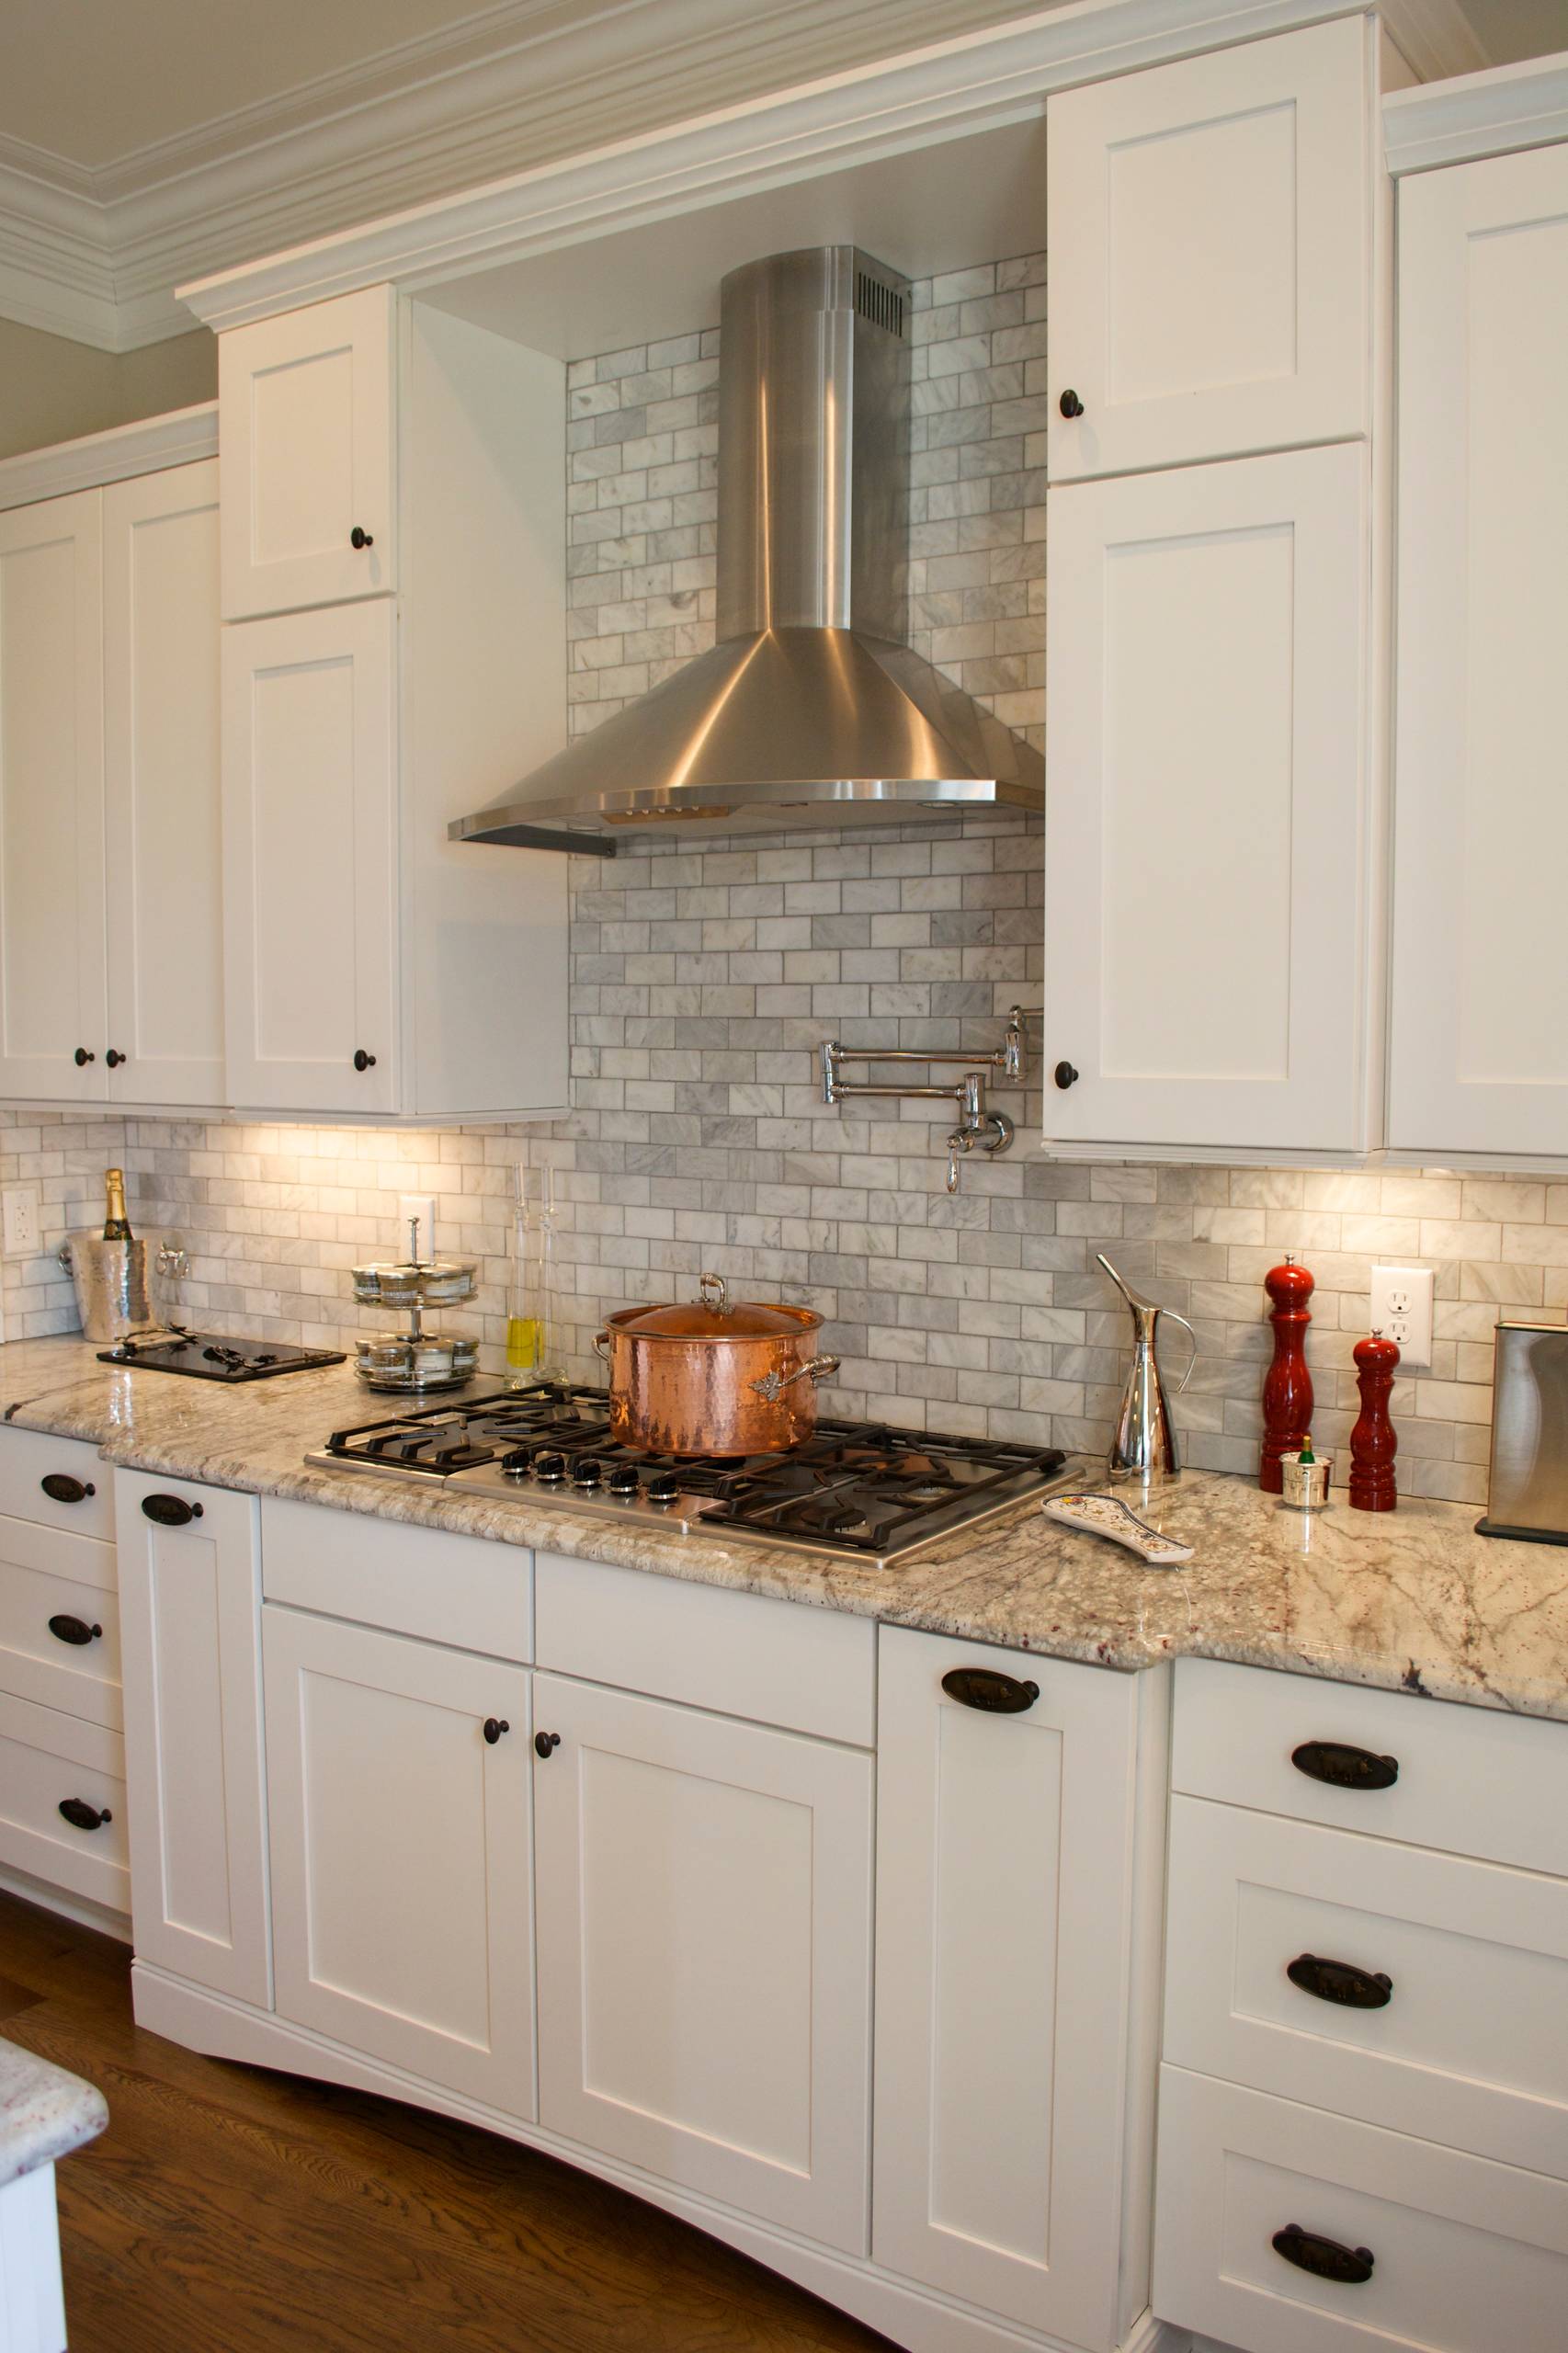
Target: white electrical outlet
[[1401, 1311], [19, 1206], [423, 1207]]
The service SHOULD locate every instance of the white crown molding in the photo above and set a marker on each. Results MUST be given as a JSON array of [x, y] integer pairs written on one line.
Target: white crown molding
[[177, 438], [1435, 37], [1482, 114], [96, 253], [972, 83]]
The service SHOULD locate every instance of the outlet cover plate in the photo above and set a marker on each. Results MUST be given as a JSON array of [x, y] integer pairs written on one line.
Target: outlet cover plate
[[1401, 1311], [22, 1220], [423, 1207]]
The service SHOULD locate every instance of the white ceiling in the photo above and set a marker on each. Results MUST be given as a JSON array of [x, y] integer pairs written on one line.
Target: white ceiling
[[92, 82]]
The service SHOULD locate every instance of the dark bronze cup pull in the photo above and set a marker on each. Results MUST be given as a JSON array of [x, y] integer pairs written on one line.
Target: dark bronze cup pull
[[82, 1816], [170, 1511], [493, 1728], [1325, 2258], [545, 1743], [998, 1695], [1345, 1767], [72, 1630], [60, 1488], [1341, 1982]]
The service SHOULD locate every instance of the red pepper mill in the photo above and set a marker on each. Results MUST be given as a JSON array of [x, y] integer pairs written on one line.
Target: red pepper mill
[[1287, 1385], [1373, 1442]]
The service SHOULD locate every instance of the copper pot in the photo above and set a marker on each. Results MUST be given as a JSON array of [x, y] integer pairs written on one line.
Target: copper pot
[[712, 1378]]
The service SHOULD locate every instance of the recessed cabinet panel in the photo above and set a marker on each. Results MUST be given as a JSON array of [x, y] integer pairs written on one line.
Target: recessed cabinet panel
[[1002, 1921], [52, 1003], [1479, 1055], [305, 421], [1209, 236], [190, 1595], [399, 1852], [161, 748], [704, 1953], [1206, 828], [309, 860]]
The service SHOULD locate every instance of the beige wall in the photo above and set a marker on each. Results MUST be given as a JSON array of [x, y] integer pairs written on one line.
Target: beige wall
[[52, 390]]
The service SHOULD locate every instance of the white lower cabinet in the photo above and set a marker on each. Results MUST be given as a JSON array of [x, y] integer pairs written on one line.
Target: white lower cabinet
[[398, 1789], [704, 1953], [1005, 1936], [190, 1589]]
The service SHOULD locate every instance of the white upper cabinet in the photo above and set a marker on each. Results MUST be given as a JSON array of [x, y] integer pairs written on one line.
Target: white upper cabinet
[[165, 907], [309, 859], [1209, 254], [1207, 834], [305, 409], [1478, 1049], [52, 1000]]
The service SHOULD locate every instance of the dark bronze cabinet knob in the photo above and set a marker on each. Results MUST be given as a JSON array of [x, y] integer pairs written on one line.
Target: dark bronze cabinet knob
[[1070, 404], [360, 539], [82, 1816], [362, 1061], [114, 1058], [1351, 2267], [60, 1488], [1065, 1076], [66, 1629], [82, 1058], [493, 1728], [546, 1743]]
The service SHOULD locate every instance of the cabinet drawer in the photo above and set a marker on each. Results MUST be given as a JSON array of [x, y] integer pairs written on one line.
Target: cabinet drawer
[[28, 1457], [1472, 1780], [55, 1590], [739, 1654], [465, 1591], [1467, 2256], [1466, 2048], [45, 1758]]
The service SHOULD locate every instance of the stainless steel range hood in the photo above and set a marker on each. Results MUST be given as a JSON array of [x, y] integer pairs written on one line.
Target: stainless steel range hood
[[812, 708]]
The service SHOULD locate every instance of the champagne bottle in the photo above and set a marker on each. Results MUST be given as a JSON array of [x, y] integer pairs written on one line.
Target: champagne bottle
[[116, 1225]]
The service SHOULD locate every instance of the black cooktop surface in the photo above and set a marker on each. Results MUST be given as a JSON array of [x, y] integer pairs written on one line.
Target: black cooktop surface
[[859, 1487], [214, 1356]]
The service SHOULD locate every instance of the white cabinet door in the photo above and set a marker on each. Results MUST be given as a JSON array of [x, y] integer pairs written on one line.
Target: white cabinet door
[[1004, 1848], [1478, 1052], [309, 795], [52, 1005], [1206, 837], [704, 1953], [399, 1852], [306, 440], [1209, 241], [190, 1601], [164, 856]]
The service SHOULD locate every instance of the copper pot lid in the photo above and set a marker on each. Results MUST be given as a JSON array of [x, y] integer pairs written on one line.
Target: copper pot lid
[[712, 1317]]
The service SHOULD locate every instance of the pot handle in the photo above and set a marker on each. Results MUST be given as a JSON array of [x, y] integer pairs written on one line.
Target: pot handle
[[601, 1345], [773, 1384]]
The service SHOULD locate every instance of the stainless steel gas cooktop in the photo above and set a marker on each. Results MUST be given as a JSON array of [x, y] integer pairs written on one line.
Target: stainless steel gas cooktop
[[860, 1491]]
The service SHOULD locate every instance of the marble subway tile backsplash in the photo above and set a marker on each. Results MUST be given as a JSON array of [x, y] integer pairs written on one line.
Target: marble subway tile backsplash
[[705, 978]]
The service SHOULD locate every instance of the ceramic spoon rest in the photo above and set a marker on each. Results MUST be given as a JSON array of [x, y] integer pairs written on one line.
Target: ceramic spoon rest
[[1107, 1516]]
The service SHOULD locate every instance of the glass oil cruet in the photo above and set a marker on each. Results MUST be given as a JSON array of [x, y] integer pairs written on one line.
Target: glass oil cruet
[[533, 1341]]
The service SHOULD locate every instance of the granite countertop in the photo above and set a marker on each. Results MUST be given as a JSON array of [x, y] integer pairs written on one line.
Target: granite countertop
[[1409, 1600], [44, 2112]]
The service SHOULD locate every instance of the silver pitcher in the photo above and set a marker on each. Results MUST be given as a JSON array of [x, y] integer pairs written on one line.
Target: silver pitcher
[[1144, 1447], [121, 1287]]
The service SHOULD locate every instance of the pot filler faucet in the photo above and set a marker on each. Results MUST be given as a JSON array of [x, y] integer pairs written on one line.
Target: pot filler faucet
[[991, 1131]]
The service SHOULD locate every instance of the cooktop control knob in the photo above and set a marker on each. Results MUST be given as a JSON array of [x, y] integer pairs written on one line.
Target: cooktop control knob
[[622, 1480], [517, 1465], [586, 1471], [550, 1467], [662, 1488]]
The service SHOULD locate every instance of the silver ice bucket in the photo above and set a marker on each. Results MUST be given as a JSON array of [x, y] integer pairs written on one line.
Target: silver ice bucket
[[121, 1287]]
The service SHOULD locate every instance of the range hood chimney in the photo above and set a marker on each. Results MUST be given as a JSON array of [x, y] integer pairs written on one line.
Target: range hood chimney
[[813, 708]]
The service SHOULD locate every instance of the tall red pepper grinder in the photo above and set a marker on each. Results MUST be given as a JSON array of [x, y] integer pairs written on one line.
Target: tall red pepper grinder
[[1287, 1385], [1373, 1442]]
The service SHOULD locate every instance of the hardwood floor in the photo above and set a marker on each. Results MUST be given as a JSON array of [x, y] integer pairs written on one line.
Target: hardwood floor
[[227, 2210]]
